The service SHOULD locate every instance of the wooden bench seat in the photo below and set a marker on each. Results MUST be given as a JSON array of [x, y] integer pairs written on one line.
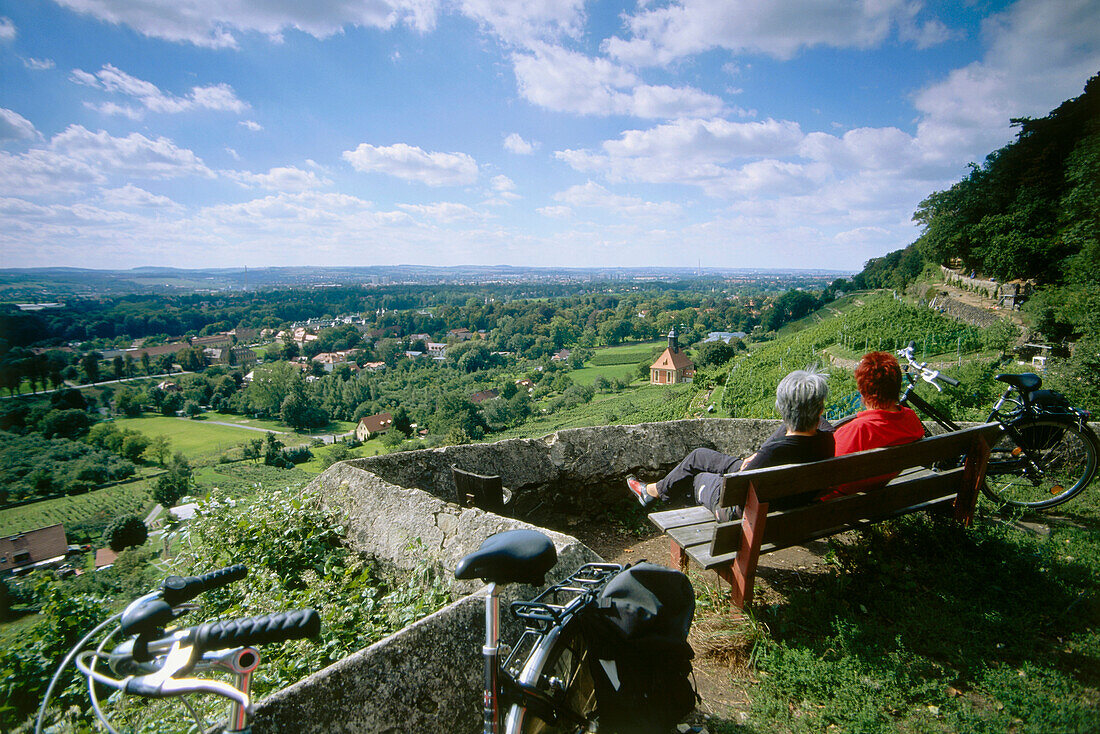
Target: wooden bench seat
[[733, 548]]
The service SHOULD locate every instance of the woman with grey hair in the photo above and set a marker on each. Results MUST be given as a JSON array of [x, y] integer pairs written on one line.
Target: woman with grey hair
[[805, 436]]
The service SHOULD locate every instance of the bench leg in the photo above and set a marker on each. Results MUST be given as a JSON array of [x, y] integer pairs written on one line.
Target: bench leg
[[974, 474], [743, 570], [679, 557]]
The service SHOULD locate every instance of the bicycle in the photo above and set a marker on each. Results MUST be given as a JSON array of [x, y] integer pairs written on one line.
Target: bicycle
[[544, 684], [1047, 454], [154, 661]]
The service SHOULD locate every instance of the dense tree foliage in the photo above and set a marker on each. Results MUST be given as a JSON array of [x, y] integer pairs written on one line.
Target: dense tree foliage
[[32, 466], [1030, 210]]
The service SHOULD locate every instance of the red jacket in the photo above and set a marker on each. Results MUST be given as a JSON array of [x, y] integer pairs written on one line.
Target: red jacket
[[872, 429]]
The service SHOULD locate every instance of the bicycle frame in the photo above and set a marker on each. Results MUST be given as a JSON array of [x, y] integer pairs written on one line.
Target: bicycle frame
[[909, 396], [545, 616]]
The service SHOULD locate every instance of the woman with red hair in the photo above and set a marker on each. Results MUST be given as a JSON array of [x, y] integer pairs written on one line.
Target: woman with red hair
[[883, 423]]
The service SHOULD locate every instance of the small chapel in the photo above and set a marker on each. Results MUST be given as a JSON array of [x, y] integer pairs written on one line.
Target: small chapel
[[673, 366]]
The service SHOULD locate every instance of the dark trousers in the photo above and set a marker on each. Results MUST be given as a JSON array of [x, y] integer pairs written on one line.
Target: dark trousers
[[700, 473]]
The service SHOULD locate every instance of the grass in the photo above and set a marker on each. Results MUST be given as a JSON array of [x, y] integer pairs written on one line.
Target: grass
[[276, 426], [588, 374], [630, 354], [924, 626], [314, 466]]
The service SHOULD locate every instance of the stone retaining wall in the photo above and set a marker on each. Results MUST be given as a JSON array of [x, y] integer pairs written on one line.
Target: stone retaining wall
[[399, 510]]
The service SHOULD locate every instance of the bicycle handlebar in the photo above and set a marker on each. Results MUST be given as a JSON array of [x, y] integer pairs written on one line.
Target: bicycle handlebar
[[929, 375], [178, 589]]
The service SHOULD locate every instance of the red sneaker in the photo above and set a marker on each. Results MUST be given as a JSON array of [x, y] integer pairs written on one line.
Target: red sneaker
[[637, 488]]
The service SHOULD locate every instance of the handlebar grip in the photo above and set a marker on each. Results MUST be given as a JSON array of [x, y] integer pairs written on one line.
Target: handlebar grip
[[178, 589], [949, 380], [257, 630]]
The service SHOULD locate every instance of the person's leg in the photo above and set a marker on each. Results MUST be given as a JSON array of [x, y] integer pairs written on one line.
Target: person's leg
[[697, 462], [708, 490]]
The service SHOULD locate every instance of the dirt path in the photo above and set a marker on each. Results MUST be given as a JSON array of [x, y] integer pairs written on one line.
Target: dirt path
[[723, 690]]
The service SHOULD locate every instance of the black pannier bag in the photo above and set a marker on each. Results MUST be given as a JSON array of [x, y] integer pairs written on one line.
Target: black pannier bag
[[639, 656]]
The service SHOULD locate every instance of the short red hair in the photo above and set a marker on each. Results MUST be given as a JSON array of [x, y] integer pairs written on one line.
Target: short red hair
[[878, 377]]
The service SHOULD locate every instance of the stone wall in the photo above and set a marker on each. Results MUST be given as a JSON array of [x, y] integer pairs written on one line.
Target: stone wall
[[399, 510], [965, 312]]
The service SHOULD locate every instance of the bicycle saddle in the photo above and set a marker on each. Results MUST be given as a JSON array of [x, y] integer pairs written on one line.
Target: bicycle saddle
[[514, 556], [1025, 382]]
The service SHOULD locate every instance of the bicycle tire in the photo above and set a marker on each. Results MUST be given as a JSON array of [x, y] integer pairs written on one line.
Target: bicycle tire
[[558, 667], [1067, 457]]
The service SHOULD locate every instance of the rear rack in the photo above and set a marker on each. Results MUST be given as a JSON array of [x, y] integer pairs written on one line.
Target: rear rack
[[558, 603]]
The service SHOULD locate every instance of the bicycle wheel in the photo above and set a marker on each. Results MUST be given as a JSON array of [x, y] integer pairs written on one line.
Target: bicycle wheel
[[558, 667], [1065, 461]]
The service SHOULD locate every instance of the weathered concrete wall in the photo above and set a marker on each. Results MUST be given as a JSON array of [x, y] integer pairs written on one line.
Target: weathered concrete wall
[[399, 510], [569, 473]]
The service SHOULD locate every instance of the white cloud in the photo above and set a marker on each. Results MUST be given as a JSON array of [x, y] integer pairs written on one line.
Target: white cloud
[[1039, 53], [686, 151], [38, 64], [251, 125], [13, 126], [661, 34], [283, 178], [7, 30], [218, 97], [442, 211], [233, 154], [132, 197], [567, 81], [555, 212], [414, 164], [594, 196], [515, 143], [502, 191], [523, 23], [133, 155], [217, 24]]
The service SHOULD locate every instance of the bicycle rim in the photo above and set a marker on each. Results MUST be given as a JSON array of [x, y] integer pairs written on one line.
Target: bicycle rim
[[1066, 459], [558, 666]]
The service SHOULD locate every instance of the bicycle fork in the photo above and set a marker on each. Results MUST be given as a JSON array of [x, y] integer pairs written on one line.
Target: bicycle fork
[[491, 653]]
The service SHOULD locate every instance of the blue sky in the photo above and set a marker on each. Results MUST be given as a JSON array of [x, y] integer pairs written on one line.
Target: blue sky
[[727, 133]]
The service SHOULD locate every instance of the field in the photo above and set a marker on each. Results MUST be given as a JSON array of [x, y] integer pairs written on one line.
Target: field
[[630, 354], [199, 439], [643, 404], [587, 375], [122, 499]]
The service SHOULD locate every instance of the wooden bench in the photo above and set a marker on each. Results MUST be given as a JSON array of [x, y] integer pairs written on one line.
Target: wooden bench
[[732, 549]]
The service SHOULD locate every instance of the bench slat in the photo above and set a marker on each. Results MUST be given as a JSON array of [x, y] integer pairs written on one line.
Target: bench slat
[[775, 482], [791, 526], [683, 516]]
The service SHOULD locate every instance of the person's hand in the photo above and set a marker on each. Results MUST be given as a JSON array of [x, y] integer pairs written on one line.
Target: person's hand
[[746, 463]]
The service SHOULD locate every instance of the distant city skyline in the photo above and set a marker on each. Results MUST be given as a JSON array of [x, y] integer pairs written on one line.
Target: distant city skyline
[[690, 133]]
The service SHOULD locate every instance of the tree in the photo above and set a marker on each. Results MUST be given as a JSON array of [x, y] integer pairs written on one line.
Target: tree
[[133, 446], [125, 531], [146, 363], [119, 367], [128, 402], [159, 448], [715, 353], [273, 450], [301, 412], [166, 362], [174, 483], [90, 363], [401, 421], [65, 424], [252, 450], [270, 386]]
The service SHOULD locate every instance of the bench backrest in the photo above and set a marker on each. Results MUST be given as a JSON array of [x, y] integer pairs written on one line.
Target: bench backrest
[[910, 491]]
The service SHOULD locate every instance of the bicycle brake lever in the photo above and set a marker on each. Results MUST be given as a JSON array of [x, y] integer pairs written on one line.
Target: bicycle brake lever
[[162, 683], [930, 378]]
